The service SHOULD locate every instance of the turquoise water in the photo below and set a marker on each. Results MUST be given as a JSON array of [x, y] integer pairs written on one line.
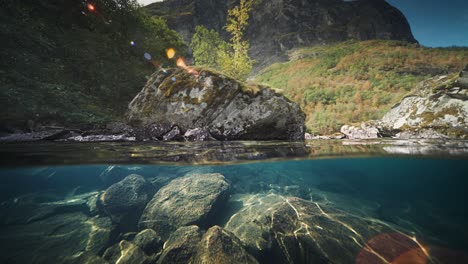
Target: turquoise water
[[422, 197]]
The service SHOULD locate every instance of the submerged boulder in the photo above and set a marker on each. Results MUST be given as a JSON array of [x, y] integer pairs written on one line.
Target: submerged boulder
[[282, 229], [184, 201], [61, 238], [125, 200], [226, 108], [181, 245], [219, 246]]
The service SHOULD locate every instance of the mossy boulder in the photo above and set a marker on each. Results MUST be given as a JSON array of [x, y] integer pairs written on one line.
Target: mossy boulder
[[439, 105], [226, 108]]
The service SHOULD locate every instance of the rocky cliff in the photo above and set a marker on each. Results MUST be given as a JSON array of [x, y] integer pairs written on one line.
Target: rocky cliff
[[280, 25]]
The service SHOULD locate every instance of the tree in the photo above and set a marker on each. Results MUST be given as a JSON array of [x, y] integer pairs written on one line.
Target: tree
[[232, 58], [206, 46]]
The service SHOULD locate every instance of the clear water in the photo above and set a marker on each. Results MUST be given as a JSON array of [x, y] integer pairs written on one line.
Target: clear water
[[418, 189]]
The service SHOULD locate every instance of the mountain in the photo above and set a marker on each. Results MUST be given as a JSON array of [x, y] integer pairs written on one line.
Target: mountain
[[277, 26], [352, 82]]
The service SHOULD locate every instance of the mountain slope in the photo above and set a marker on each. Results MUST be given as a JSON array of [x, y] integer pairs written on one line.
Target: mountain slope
[[352, 82], [62, 63], [277, 26]]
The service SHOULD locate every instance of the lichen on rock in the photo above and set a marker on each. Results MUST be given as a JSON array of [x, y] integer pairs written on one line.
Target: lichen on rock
[[226, 108]]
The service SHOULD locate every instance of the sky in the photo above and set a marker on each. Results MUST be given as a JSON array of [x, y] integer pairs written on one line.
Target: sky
[[435, 23]]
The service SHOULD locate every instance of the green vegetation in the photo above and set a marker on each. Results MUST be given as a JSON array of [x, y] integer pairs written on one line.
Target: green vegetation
[[63, 63], [231, 58], [351, 82]]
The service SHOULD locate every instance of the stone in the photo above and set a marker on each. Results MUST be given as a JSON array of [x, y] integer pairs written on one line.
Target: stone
[[61, 238], [124, 201], [188, 200], [181, 245], [174, 134], [219, 246], [226, 108], [275, 27], [101, 138], [463, 79], [364, 132], [149, 241], [198, 134], [283, 229], [437, 109], [131, 254]]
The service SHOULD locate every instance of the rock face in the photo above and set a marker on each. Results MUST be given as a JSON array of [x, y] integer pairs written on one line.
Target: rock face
[[291, 230], [219, 246], [439, 108], [125, 200], [278, 26], [184, 201], [174, 102]]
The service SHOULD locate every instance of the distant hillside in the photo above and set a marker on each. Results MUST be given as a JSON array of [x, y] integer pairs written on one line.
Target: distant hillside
[[62, 63], [352, 82], [276, 26]]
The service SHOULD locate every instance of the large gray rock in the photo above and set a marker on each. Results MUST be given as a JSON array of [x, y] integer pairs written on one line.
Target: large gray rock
[[124, 201], [219, 246], [227, 109], [438, 108], [190, 200], [181, 245], [277, 26], [292, 230]]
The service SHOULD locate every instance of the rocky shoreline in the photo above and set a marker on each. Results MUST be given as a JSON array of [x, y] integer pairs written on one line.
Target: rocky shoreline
[[178, 106]]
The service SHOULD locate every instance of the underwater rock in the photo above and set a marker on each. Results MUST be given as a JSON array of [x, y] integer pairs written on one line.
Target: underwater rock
[[292, 230], [219, 246], [184, 201], [124, 201], [228, 109], [32, 243], [197, 134], [131, 254], [149, 241], [116, 173], [181, 245], [32, 207]]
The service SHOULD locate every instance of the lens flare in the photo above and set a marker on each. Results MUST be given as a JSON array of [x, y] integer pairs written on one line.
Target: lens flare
[[132, 43], [91, 7], [181, 63], [147, 56], [170, 53]]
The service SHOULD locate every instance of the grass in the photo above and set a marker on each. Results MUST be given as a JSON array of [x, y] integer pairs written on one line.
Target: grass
[[351, 82]]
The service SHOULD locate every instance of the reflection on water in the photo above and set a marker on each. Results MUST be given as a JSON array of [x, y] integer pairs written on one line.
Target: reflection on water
[[218, 152], [364, 210]]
